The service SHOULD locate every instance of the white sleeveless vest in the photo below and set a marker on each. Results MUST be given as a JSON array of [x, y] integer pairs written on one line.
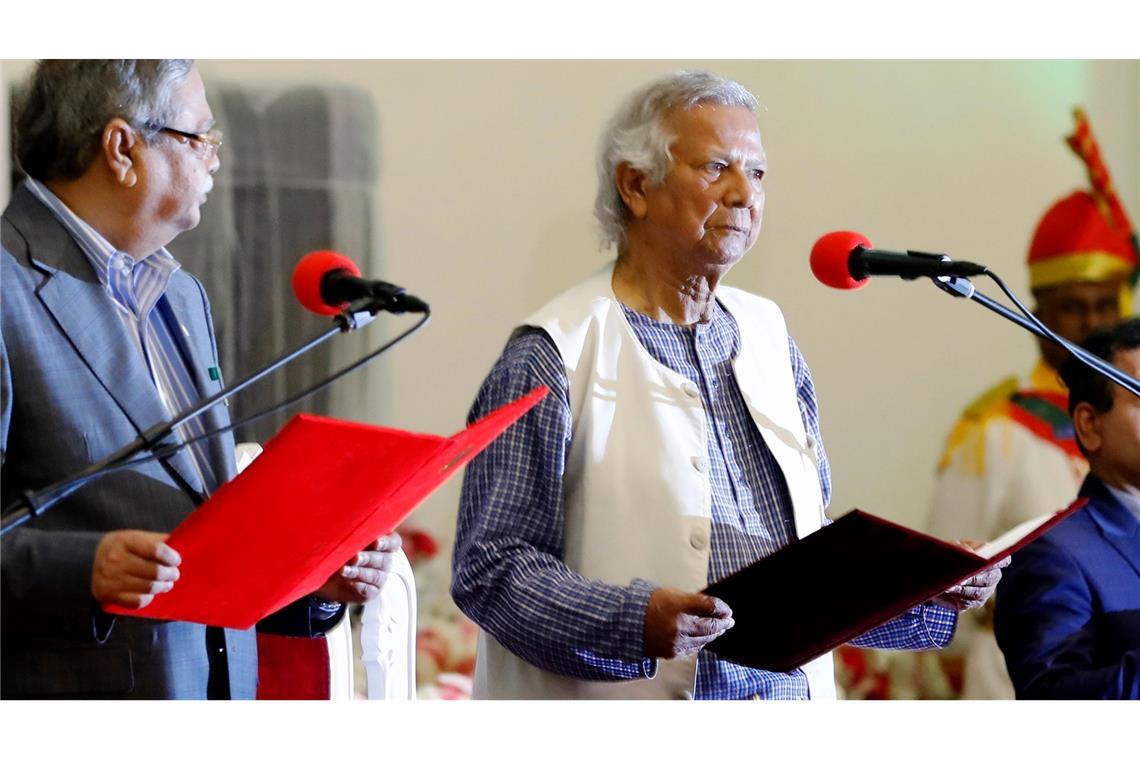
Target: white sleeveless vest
[[637, 490]]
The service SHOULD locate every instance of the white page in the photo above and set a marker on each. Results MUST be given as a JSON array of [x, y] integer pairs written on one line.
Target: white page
[[1013, 535]]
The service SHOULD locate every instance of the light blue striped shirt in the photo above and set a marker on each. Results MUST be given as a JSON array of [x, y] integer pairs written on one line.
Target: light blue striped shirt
[[137, 289]]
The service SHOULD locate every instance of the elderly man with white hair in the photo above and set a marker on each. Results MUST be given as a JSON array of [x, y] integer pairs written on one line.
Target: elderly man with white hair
[[680, 442]]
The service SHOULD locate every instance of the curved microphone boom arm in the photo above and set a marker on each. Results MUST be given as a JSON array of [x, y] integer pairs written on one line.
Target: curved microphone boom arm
[[962, 288], [34, 503], [846, 260]]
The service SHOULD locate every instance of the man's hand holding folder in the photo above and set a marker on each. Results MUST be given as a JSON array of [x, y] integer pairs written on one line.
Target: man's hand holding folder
[[975, 591], [363, 576], [132, 566], [679, 623]]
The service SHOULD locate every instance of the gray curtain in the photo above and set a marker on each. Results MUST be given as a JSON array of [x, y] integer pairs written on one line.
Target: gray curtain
[[299, 173]]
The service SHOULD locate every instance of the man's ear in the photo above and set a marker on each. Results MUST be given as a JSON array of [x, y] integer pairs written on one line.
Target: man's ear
[[631, 184], [1086, 426], [117, 149]]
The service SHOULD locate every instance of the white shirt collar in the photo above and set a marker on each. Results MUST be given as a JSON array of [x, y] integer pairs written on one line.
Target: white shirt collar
[[1130, 499], [98, 249]]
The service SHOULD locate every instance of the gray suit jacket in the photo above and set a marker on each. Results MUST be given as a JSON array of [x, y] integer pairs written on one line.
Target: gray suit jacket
[[75, 389]]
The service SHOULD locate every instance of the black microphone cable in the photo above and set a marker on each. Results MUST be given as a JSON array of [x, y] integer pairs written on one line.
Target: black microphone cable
[[1076, 351], [62, 490], [1036, 325]]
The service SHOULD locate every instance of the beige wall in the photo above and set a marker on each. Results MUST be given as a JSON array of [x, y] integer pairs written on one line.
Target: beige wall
[[487, 185]]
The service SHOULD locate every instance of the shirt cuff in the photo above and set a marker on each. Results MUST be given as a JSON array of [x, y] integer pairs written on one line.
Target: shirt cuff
[[632, 620], [938, 624], [321, 610], [102, 623]]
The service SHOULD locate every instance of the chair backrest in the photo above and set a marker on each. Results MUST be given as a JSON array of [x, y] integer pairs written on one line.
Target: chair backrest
[[388, 636]]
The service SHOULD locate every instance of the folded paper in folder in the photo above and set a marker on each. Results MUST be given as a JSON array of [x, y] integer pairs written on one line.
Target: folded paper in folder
[[322, 490], [843, 580]]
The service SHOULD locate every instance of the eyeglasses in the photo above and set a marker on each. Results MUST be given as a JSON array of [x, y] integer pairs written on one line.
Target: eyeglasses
[[205, 144]]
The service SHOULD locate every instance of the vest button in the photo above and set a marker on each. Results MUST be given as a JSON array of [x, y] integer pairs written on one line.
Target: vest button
[[690, 390], [699, 541], [700, 464]]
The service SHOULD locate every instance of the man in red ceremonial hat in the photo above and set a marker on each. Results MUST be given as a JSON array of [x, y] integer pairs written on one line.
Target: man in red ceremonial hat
[[1013, 456]]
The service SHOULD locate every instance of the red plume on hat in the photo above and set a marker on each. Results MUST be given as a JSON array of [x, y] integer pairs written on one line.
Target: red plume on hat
[[1086, 235]]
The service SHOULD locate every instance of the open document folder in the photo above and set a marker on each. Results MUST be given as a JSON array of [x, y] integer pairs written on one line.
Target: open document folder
[[321, 491], [843, 580]]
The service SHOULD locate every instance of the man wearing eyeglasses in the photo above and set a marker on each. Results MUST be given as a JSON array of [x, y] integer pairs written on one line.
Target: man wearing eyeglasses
[[104, 336]]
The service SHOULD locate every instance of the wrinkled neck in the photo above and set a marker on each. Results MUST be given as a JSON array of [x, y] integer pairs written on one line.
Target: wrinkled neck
[[663, 295]]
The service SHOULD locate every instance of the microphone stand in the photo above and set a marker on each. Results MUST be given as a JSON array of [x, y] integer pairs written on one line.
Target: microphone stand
[[962, 288], [35, 503]]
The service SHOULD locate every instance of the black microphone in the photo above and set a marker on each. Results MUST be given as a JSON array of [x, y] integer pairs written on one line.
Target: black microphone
[[845, 260], [325, 281], [340, 286]]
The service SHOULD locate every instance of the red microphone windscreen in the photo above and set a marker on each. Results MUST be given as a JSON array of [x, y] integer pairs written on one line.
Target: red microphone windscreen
[[829, 258], [307, 278]]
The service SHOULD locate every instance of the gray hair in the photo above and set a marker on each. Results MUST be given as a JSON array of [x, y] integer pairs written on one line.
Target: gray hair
[[64, 106], [636, 135]]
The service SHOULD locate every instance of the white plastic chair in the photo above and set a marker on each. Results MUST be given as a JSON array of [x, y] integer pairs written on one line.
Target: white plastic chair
[[388, 636]]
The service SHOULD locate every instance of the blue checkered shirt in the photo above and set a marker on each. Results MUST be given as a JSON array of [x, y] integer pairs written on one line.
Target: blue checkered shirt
[[508, 572]]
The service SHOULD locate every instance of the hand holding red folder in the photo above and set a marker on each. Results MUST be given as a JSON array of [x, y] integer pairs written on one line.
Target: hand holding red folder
[[321, 489], [131, 567], [363, 575]]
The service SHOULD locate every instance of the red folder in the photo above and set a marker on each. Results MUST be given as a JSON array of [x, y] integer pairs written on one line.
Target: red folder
[[320, 491], [843, 580]]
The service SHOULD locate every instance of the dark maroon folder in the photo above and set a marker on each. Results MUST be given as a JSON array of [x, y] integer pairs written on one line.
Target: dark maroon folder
[[840, 582]]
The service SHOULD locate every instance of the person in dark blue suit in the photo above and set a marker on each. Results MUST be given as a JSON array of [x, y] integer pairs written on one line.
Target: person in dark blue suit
[[1068, 608]]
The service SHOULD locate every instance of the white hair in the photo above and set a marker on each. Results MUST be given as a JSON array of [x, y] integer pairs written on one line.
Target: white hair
[[636, 135]]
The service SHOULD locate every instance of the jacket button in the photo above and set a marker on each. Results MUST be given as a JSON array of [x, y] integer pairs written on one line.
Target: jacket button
[[699, 541], [700, 464], [690, 390], [685, 695]]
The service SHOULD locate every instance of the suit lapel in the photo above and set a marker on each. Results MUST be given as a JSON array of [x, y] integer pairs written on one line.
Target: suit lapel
[[89, 318], [1117, 525]]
